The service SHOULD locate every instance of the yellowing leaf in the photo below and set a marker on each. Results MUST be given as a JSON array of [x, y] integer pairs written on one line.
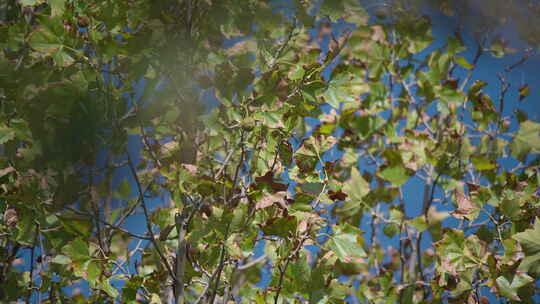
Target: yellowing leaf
[[481, 163], [30, 2], [57, 7], [524, 91], [464, 63]]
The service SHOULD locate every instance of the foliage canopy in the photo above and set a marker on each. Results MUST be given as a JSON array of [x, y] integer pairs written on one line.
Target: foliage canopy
[[289, 189]]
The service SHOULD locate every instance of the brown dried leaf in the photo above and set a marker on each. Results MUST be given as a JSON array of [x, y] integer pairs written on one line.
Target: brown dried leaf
[[473, 187], [378, 34], [268, 179], [447, 266], [240, 48], [269, 200], [465, 206], [10, 217], [337, 195], [169, 147], [190, 168], [6, 171]]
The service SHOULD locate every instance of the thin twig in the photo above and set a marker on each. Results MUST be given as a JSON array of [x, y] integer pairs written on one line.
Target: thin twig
[[115, 227], [220, 268], [208, 284], [287, 261], [479, 52], [31, 281], [280, 51], [252, 262], [181, 227], [147, 217]]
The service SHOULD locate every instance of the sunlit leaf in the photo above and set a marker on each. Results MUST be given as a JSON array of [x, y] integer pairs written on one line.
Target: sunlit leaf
[[345, 245], [526, 140], [357, 187], [524, 91], [530, 241], [464, 63], [397, 175]]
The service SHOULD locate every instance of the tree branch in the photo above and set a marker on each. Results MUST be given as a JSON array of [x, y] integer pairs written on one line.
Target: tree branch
[[147, 217]]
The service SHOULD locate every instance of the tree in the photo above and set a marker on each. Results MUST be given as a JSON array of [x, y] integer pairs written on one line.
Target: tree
[[290, 189]]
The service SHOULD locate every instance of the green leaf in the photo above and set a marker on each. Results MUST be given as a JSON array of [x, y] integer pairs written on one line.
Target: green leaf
[[129, 292], [450, 96], [420, 35], [455, 46], [327, 128], [419, 223], [524, 91], [511, 290], [30, 2], [61, 259], [335, 95], [6, 134], [62, 58], [312, 188], [526, 140], [26, 229], [344, 243], [93, 270], [464, 63], [407, 295], [391, 229], [521, 279], [357, 187], [45, 41], [77, 250], [57, 7], [530, 242], [108, 288], [77, 225], [397, 175], [345, 89], [510, 208], [283, 226], [497, 50], [482, 163], [124, 190], [163, 217]]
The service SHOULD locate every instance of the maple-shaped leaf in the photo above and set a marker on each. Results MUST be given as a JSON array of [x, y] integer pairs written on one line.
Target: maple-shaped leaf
[[465, 208], [268, 179], [337, 195], [356, 187], [269, 200], [530, 242], [526, 140], [510, 290], [345, 243]]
